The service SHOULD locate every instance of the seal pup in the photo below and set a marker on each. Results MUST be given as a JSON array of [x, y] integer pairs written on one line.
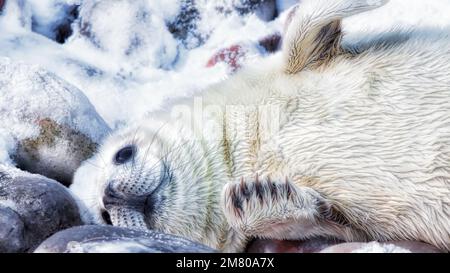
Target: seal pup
[[318, 140]]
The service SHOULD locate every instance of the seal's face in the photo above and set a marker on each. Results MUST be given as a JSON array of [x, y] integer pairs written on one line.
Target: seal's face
[[135, 180], [145, 182]]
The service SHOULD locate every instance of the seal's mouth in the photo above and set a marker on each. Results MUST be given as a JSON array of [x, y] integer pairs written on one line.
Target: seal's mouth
[[138, 211]]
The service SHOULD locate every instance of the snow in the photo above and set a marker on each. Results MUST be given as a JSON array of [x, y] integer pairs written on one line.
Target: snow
[[30, 93], [130, 58], [125, 60], [5, 146]]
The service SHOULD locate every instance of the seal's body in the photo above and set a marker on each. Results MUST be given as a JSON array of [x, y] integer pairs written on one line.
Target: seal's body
[[318, 140]]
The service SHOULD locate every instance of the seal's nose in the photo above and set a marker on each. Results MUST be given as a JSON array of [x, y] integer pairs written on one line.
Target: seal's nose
[[114, 197], [111, 196]]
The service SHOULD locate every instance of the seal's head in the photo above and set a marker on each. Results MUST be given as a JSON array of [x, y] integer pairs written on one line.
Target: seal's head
[[147, 178]]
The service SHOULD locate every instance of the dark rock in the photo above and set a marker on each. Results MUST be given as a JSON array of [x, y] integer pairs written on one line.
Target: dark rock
[[2, 3], [32, 208], [416, 247], [64, 30], [184, 26], [271, 43], [265, 9], [12, 231], [324, 245], [101, 239], [52, 19]]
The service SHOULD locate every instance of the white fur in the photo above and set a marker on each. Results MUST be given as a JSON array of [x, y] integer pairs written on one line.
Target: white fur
[[370, 132]]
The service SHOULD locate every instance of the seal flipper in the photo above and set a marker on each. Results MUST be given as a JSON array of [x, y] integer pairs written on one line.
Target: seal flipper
[[313, 31]]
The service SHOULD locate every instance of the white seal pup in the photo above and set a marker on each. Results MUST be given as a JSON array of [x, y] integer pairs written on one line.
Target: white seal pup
[[318, 140]]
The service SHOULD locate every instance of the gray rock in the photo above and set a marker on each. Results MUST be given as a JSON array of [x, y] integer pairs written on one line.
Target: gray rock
[[52, 123], [12, 231], [109, 239], [32, 208]]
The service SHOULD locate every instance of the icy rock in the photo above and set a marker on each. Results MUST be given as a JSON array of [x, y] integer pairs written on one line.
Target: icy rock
[[53, 125], [265, 9], [324, 245], [11, 231], [184, 26], [189, 26], [109, 239], [32, 208], [127, 30], [278, 246], [283, 5], [376, 247], [53, 18]]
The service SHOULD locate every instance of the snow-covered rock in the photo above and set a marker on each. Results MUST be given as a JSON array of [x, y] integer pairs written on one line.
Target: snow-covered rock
[[124, 85], [184, 25], [387, 247], [109, 239], [52, 125], [53, 18], [6, 147], [266, 10], [127, 31], [15, 14], [32, 208], [278, 246], [324, 245], [283, 5]]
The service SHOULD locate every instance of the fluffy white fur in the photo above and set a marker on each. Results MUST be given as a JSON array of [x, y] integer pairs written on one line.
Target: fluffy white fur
[[361, 149]]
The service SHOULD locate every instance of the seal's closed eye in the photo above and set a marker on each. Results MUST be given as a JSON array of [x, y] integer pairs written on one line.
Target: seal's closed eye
[[124, 155]]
